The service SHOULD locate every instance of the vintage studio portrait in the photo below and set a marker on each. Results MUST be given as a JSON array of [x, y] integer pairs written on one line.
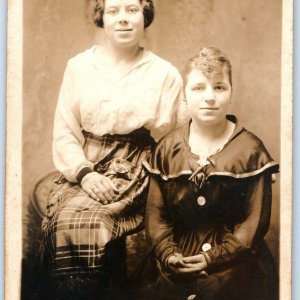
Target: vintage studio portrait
[[151, 149]]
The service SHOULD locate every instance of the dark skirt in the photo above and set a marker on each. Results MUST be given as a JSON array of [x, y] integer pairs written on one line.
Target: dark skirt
[[77, 228], [254, 276]]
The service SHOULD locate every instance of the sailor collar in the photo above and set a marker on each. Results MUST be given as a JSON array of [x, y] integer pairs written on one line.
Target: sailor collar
[[243, 156]]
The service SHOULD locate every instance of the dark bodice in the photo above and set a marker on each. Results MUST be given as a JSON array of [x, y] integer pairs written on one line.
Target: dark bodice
[[191, 206], [225, 202]]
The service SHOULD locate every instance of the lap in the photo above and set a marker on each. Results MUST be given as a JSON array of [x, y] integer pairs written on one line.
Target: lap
[[254, 278]]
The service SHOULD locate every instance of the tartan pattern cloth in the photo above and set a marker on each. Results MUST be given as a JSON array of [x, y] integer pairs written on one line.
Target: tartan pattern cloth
[[76, 227]]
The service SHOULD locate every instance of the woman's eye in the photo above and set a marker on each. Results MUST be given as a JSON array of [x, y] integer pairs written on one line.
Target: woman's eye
[[220, 88], [197, 88], [111, 11], [133, 9]]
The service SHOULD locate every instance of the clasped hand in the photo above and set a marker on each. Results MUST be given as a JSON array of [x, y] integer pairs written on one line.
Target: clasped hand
[[189, 265], [99, 187]]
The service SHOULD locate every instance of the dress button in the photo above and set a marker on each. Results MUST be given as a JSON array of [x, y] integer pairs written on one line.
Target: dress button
[[206, 247], [191, 297], [201, 200]]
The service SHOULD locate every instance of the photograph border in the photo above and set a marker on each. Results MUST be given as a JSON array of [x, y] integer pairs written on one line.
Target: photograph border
[[296, 157], [3, 36], [13, 185], [285, 229]]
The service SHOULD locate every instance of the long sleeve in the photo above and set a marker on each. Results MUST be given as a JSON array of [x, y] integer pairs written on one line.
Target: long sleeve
[[159, 227], [252, 230], [68, 140], [171, 112]]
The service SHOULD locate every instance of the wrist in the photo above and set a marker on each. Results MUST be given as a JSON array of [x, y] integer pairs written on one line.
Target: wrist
[[82, 173]]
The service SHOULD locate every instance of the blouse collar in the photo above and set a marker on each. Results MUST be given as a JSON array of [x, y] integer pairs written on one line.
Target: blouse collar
[[97, 60]]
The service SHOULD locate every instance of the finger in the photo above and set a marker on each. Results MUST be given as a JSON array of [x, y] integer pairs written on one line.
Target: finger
[[173, 260], [108, 197], [92, 194], [192, 266], [104, 194], [192, 259], [189, 270], [107, 188], [110, 185], [97, 194], [102, 199], [179, 255], [176, 262]]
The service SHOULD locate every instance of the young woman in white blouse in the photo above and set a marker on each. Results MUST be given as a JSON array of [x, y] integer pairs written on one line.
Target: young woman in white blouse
[[115, 101]]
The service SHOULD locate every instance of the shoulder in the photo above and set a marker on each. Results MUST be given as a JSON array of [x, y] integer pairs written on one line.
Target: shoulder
[[245, 156], [169, 158], [252, 140], [171, 142], [82, 58], [165, 65], [252, 146]]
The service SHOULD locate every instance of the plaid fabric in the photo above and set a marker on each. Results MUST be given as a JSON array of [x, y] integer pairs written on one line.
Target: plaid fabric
[[76, 227]]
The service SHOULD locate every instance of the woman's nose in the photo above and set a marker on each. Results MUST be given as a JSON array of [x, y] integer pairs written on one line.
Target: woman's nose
[[209, 95], [122, 16]]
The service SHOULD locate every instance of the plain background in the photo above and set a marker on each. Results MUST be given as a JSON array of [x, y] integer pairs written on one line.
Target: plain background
[[296, 158], [248, 31], [296, 207], [2, 135]]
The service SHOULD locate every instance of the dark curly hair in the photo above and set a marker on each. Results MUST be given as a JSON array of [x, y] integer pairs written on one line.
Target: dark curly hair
[[98, 11], [211, 61]]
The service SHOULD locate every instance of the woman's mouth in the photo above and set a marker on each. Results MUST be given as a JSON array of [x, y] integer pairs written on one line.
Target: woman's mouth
[[209, 108], [123, 30]]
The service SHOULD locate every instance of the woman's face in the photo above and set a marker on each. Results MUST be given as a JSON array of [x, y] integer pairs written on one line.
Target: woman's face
[[208, 99], [123, 22]]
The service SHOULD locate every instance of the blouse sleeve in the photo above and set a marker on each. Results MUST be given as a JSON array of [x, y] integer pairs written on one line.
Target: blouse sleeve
[[68, 140], [171, 112], [159, 226], [246, 234]]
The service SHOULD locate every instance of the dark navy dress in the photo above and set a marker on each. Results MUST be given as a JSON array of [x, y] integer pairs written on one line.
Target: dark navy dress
[[221, 209]]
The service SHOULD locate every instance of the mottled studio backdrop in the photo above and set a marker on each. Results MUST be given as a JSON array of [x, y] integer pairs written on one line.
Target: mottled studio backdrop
[[249, 31]]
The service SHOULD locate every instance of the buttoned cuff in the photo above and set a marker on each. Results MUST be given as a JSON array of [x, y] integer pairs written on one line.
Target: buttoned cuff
[[84, 171]]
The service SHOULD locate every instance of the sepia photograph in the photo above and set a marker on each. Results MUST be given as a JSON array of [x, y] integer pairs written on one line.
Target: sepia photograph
[[149, 150]]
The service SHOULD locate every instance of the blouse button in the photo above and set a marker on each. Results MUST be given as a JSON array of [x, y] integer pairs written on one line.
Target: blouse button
[[206, 247], [191, 297], [201, 200]]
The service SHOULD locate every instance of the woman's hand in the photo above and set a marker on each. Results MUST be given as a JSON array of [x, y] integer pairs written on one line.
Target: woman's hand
[[99, 187], [197, 261], [190, 265]]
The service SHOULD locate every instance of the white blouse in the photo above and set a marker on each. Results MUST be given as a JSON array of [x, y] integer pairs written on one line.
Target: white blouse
[[149, 95]]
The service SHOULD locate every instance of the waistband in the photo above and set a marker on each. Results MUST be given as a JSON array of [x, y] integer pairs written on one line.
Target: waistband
[[140, 136]]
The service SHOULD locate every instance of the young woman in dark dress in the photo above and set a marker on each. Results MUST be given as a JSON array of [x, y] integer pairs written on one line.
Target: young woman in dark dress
[[209, 203]]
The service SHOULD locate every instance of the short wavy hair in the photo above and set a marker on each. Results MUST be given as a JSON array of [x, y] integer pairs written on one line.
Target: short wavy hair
[[211, 61], [98, 11]]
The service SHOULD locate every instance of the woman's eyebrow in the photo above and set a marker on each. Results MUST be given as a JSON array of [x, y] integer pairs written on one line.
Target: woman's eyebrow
[[112, 6], [198, 83], [220, 81]]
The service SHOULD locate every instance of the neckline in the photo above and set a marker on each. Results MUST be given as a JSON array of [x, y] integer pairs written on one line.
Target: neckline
[[193, 157], [97, 61]]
